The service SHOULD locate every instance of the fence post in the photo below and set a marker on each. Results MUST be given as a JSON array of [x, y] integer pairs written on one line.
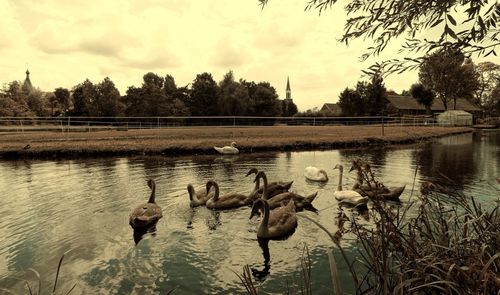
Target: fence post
[[158, 122], [234, 121]]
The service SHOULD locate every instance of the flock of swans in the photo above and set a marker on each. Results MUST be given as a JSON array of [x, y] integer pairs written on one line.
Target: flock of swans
[[273, 199]]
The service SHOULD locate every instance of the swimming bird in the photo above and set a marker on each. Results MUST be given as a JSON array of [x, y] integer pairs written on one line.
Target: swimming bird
[[273, 188], [228, 200], [228, 150], [275, 223], [148, 213], [199, 197], [285, 197], [375, 190], [348, 196], [315, 174]]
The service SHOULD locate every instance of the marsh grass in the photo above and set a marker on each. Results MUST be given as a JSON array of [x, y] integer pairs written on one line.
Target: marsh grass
[[440, 242], [37, 291]]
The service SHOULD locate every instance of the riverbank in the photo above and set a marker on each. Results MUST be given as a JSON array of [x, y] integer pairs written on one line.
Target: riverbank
[[200, 140]]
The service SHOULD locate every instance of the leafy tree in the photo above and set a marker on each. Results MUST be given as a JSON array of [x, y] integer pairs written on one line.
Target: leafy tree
[[135, 104], [233, 98], [350, 101], [376, 96], [16, 100], [107, 103], [266, 101], [423, 95], [84, 95], [494, 101], [405, 93], [203, 100], [173, 103], [449, 75], [488, 74], [62, 96], [37, 102], [386, 20], [288, 108]]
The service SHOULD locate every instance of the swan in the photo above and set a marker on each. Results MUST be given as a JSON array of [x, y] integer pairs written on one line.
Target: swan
[[226, 201], [315, 174], [228, 150], [275, 223], [146, 214], [200, 197], [277, 200], [348, 196], [377, 190], [273, 188]]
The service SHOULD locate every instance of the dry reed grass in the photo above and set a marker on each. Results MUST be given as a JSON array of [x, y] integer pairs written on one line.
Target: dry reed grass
[[451, 245]]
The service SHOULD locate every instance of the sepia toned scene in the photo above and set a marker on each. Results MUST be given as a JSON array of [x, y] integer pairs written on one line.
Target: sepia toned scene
[[250, 147]]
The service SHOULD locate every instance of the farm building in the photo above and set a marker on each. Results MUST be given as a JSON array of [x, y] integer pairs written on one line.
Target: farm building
[[406, 105]]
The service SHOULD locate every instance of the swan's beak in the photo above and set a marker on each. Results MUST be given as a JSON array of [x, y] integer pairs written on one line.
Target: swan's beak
[[352, 168]]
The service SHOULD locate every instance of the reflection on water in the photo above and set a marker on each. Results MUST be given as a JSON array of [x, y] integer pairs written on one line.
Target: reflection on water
[[49, 207]]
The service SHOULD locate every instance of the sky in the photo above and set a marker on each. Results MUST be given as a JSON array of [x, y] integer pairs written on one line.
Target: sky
[[64, 42]]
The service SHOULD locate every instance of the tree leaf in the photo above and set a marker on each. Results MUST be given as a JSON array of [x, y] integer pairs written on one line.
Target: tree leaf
[[451, 19]]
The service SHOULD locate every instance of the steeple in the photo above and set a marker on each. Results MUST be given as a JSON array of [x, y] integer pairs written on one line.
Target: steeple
[[27, 82], [288, 89]]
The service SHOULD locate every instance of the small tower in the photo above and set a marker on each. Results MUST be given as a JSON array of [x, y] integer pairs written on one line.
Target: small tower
[[27, 82], [288, 89]]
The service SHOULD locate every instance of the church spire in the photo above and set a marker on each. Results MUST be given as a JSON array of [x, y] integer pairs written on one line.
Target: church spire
[[288, 89], [27, 82]]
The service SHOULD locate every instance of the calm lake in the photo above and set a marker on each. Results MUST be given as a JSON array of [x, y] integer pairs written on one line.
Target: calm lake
[[82, 206]]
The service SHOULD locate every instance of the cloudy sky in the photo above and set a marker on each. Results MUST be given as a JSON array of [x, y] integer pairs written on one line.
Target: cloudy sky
[[64, 42]]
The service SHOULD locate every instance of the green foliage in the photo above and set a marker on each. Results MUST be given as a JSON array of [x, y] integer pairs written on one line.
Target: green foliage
[[423, 95], [488, 74], [107, 102], [448, 74], [203, 101], [386, 20], [376, 96], [366, 99], [62, 99], [84, 95]]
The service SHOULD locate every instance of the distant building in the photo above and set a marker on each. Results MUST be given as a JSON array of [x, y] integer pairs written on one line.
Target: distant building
[[27, 86], [331, 109], [288, 108], [399, 105]]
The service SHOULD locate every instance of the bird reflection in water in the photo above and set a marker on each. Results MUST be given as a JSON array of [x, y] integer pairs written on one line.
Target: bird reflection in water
[[260, 274], [213, 221], [139, 232]]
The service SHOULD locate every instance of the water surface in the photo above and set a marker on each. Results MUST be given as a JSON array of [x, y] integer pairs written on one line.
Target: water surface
[[82, 206]]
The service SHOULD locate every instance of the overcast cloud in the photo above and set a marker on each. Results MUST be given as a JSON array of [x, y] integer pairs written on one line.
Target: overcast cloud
[[64, 42]]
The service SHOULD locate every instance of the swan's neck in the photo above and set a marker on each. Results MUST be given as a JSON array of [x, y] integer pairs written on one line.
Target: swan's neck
[[153, 190], [339, 187], [265, 220], [257, 184], [264, 189], [216, 193], [190, 194]]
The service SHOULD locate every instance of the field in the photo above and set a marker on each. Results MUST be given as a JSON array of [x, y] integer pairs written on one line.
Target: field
[[180, 140]]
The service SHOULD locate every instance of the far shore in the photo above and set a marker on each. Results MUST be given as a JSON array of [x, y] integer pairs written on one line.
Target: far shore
[[201, 140]]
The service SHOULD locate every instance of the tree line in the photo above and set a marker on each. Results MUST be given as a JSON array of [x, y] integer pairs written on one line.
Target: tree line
[[157, 96], [445, 75]]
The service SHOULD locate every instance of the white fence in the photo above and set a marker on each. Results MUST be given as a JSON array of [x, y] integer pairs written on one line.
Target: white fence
[[64, 124]]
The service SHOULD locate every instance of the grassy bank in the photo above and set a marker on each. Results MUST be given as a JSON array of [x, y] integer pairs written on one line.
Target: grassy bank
[[200, 140]]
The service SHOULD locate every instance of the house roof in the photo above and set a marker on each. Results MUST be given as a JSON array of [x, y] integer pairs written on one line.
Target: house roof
[[409, 103], [330, 107]]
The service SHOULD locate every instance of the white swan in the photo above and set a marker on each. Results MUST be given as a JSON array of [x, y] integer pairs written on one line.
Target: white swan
[[348, 197], [315, 174], [228, 150]]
